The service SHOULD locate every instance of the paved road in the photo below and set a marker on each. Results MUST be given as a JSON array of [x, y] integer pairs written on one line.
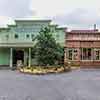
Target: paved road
[[77, 85]]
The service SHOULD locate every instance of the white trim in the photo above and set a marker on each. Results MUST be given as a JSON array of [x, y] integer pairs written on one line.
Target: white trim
[[29, 58], [11, 57], [89, 60]]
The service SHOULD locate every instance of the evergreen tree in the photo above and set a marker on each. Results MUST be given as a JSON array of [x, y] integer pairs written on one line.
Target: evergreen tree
[[46, 50]]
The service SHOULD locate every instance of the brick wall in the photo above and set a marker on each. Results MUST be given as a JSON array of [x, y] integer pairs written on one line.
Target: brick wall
[[86, 64]]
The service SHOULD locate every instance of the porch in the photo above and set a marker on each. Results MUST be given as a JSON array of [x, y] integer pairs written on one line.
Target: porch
[[9, 57]]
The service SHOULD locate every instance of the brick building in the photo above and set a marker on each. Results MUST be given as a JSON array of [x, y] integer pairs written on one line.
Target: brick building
[[82, 47]]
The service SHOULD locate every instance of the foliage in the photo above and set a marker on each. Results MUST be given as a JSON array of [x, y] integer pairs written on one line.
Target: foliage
[[46, 50]]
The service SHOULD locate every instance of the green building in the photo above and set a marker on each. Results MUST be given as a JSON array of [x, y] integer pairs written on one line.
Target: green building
[[16, 40]]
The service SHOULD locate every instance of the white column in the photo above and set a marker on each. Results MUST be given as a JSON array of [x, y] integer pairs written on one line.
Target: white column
[[82, 53], [29, 62], [11, 57], [65, 55], [92, 54], [72, 54]]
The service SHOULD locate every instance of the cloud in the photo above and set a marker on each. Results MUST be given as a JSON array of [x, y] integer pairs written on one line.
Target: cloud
[[69, 12], [15, 8], [78, 16], [55, 7], [12, 9], [48, 8]]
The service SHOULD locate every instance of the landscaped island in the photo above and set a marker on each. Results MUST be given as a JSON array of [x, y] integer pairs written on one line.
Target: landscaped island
[[40, 70]]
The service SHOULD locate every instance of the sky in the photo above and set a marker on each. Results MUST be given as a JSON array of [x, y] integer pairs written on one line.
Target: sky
[[70, 13]]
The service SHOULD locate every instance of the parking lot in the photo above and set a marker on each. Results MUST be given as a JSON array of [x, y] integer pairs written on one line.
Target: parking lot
[[75, 85]]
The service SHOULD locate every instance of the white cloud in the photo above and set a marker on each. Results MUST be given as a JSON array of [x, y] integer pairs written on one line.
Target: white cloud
[[70, 12], [48, 7], [55, 7], [78, 16], [15, 8]]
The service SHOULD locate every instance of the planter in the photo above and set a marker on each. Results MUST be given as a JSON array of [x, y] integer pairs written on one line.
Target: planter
[[41, 70]]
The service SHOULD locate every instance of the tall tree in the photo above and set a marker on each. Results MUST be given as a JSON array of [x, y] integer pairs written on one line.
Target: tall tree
[[48, 52]]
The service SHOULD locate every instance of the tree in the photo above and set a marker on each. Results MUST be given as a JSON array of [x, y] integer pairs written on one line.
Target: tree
[[46, 50]]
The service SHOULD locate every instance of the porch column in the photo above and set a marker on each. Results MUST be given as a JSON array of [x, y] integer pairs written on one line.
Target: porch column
[[92, 54], [79, 54], [11, 57], [65, 55], [29, 62]]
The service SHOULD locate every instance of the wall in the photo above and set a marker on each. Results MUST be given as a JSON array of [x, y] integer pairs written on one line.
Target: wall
[[4, 56], [26, 28], [83, 41], [60, 36], [30, 28]]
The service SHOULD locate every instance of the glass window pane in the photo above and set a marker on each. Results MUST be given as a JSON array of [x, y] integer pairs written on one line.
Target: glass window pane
[[86, 54], [16, 36], [89, 54], [75, 55], [27, 36], [70, 54], [97, 54]]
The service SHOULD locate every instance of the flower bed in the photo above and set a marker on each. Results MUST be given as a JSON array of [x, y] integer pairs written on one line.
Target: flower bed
[[41, 70]]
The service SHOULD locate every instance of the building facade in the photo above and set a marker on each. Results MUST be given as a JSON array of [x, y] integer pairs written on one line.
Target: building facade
[[82, 47], [16, 40]]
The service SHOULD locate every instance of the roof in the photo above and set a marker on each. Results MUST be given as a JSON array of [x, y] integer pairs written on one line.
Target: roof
[[84, 31], [4, 28], [53, 24], [32, 20], [62, 27]]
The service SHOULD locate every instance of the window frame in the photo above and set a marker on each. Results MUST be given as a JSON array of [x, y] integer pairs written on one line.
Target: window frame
[[94, 56], [27, 36], [16, 36], [82, 56], [73, 54]]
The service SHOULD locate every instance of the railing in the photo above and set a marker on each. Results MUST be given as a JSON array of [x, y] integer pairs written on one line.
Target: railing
[[20, 44]]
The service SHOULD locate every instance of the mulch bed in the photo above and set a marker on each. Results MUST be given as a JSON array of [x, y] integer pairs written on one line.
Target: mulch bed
[[38, 73]]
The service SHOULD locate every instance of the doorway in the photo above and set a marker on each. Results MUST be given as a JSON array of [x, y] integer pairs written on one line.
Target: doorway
[[18, 55]]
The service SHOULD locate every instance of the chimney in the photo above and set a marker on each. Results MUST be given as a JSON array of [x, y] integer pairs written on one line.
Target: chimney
[[94, 26]]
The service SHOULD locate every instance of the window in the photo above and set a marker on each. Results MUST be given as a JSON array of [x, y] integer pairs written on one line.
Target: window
[[75, 54], [72, 54], [96, 54], [16, 36], [32, 35], [27, 36], [7, 37], [86, 54]]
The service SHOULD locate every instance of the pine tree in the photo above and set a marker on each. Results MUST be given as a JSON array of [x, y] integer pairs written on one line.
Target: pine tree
[[47, 51]]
